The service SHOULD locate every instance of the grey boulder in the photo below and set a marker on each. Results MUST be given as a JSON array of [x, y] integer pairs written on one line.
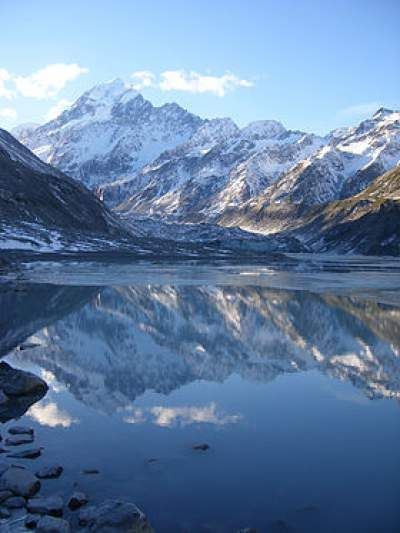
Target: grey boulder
[[114, 515], [77, 500], [15, 502], [50, 524], [20, 430], [50, 472], [52, 505], [17, 440], [20, 481]]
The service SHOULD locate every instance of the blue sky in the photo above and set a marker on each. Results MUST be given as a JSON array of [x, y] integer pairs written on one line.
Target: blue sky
[[312, 64]]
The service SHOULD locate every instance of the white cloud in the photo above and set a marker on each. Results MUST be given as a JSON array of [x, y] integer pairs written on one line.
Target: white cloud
[[360, 109], [184, 415], [51, 415], [48, 81], [143, 79], [193, 82], [57, 109], [8, 113], [180, 80], [5, 77]]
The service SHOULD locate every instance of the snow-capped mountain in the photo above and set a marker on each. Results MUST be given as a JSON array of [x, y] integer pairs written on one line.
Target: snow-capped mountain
[[198, 181], [170, 165], [131, 339], [111, 131], [349, 162]]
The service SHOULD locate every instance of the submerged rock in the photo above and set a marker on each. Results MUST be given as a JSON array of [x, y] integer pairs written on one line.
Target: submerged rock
[[17, 440], [32, 453], [4, 494], [15, 502], [52, 505], [90, 471], [114, 515], [20, 430], [31, 521], [77, 500], [50, 524], [4, 513], [20, 481], [203, 447], [50, 472]]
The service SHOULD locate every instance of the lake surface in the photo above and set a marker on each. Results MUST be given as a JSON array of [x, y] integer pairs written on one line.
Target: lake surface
[[292, 377]]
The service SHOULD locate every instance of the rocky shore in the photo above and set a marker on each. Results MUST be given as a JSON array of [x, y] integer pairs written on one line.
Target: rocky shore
[[22, 507]]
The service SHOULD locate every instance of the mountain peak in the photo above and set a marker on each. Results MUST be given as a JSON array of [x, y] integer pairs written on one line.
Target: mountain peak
[[382, 112], [263, 129]]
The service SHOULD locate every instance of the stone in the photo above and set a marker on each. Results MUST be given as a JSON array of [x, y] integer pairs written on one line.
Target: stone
[[20, 430], [203, 447], [31, 453], [50, 524], [3, 467], [20, 481], [91, 471], [15, 502], [77, 500], [4, 494], [4, 513], [51, 505], [17, 440], [3, 397], [14, 382], [50, 472], [114, 515], [31, 521]]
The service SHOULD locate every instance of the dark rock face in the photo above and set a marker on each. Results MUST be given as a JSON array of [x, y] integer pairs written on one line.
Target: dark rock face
[[20, 383], [33, 192], [21, 389]]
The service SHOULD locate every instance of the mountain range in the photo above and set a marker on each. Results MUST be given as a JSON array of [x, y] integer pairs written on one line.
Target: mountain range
[[168, 171]]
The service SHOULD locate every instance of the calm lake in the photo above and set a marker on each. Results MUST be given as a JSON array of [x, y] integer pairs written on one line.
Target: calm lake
[[291, 377]]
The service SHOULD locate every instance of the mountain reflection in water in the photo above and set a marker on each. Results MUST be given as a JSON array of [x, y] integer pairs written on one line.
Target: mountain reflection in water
[[296, 392]]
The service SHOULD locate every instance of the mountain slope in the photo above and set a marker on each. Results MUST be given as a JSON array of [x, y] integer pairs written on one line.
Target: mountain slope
[[367, 223], [39, 206], [349, 162]]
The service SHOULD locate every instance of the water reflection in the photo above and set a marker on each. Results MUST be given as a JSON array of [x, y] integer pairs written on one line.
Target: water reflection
[[129, 340], [246, 369]]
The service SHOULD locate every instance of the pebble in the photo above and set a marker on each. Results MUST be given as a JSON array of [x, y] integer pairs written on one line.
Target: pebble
[[202, 447], [50, 524], [20, 430], [17, 440], [4, 513], [52, 505], [15, 502], [20, 481], [4, 494], [50, 472], [91, 471], [31, 521], [77, 500], [31, 453]]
